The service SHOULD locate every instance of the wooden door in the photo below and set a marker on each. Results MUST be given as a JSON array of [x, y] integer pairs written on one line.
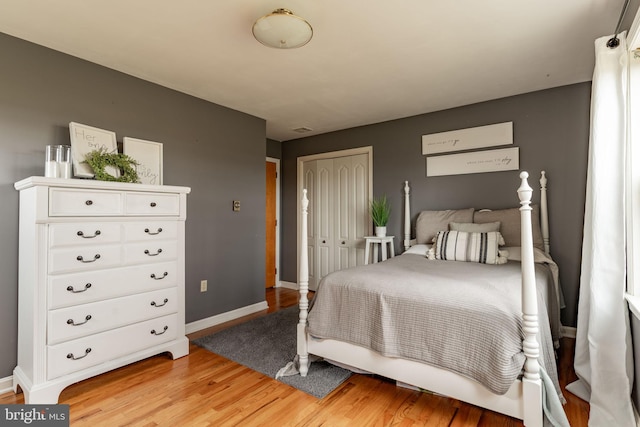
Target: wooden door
[[270, 226]]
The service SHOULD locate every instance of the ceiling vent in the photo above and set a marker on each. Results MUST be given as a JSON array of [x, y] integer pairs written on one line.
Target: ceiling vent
[[302, 129]]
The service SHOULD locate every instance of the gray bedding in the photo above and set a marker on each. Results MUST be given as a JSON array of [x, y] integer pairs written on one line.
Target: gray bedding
[[461, 316]]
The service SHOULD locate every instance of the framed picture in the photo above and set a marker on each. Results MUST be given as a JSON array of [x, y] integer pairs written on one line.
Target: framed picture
[[149, 156], [468, 139], [85, 139], [505, 159]]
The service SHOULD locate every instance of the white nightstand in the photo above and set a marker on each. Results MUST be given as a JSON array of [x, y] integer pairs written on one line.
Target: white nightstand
[[375, 241]]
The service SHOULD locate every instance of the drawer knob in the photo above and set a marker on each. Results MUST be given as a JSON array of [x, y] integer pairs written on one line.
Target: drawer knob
[[153, 331], [153, 276], [95, 258], [146, 251], [153, 204], [72, 357], [146, 230], [95, 234], [73, 323], [88, 203], [86, 287], [166, 300]]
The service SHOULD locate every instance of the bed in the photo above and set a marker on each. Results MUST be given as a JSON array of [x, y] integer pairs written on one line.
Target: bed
[[484, 344]]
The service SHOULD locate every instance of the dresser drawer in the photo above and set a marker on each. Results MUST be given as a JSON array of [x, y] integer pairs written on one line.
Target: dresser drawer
[[82, 320], [89, 233], [66, 260], [81, 353], [71, 202], [152, 204], [146, 252], [149, 231], [80, 288]]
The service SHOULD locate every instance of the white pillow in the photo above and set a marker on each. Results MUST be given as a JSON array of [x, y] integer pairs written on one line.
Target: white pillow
[[472, 247], [418, 250]]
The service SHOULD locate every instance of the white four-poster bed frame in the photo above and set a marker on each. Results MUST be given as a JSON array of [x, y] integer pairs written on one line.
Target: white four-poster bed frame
[[523, 400]]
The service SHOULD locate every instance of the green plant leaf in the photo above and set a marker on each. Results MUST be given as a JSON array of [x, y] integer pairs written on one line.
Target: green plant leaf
[[98, 160], [380, 211]]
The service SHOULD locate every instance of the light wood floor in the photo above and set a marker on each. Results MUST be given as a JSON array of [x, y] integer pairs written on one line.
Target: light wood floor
[[204, 389]]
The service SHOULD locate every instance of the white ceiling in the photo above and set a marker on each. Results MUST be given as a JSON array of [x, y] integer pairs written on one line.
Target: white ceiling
[[369, 60]]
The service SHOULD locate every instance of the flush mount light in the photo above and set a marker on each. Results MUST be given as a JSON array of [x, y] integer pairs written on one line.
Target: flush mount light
[[282, 29]]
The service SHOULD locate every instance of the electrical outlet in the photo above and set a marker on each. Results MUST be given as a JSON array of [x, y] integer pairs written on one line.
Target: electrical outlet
[[203, 286], [236, 205]]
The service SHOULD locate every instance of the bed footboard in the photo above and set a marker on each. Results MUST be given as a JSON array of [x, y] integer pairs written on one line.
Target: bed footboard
[[531, 383], [303, 287]]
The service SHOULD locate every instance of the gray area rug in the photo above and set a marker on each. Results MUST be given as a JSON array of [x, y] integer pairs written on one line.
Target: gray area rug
[[268, 343]]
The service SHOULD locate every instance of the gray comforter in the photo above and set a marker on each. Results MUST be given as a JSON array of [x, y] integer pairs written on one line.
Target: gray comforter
[[461, 316]]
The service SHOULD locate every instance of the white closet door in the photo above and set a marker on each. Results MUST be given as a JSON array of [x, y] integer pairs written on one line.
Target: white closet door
[[324, 218], [338, 220], [360, 183], [350, 209], [309, 175]]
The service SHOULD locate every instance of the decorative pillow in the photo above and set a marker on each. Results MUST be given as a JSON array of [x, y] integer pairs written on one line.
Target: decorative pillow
[[510, 224], [472, 227], [464, 246], [418, 250], [430, 222]]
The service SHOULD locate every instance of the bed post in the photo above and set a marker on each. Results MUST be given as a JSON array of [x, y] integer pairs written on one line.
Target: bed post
[[303, 285], [544, 213], [531, 383], [407, 217]]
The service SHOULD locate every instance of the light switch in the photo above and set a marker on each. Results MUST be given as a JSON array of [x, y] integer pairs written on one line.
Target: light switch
[[236, 205]]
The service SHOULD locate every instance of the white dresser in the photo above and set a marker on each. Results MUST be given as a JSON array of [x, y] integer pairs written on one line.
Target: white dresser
[[101, 280]]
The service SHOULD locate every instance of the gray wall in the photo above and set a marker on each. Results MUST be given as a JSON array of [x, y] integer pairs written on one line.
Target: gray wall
[[551, 128], [216, 151], [274, 149]]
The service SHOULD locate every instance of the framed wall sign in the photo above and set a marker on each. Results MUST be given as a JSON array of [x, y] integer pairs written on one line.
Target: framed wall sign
[[85, 139], [468, 139], [504, 159], [149, 156]]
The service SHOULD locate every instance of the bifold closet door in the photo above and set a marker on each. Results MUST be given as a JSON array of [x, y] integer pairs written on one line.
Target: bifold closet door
[[351, 213], [338, 218]]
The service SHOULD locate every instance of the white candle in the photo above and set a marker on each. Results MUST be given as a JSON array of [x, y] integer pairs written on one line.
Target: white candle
[[64, 170], [51, 169]]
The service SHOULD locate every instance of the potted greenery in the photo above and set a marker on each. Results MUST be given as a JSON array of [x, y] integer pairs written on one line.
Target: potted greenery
[[380, 211]]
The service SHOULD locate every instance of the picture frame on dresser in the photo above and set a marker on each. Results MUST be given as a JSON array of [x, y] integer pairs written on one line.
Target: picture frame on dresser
[[85, 139], [148, 154]]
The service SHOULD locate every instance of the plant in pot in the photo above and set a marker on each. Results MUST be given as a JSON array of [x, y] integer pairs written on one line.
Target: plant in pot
[[380, 211]]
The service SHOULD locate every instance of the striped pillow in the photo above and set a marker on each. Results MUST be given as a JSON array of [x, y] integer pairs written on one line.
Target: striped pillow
[[465, 246]]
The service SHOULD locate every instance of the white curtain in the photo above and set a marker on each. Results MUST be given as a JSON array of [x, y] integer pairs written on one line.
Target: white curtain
[[603, 357]]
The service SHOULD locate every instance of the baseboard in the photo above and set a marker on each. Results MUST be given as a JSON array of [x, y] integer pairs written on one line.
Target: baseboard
[[568, 331], [6, 384], [288, 285], [201, 324]]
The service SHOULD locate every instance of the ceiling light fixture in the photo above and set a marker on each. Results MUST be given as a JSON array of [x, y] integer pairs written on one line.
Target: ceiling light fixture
[[282, 29]]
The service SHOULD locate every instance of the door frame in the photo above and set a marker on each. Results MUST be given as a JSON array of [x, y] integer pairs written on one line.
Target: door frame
[[277, 162], [300, 182]]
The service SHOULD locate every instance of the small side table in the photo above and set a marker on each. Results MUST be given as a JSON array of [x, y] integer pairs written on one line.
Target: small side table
[[375, 241]]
